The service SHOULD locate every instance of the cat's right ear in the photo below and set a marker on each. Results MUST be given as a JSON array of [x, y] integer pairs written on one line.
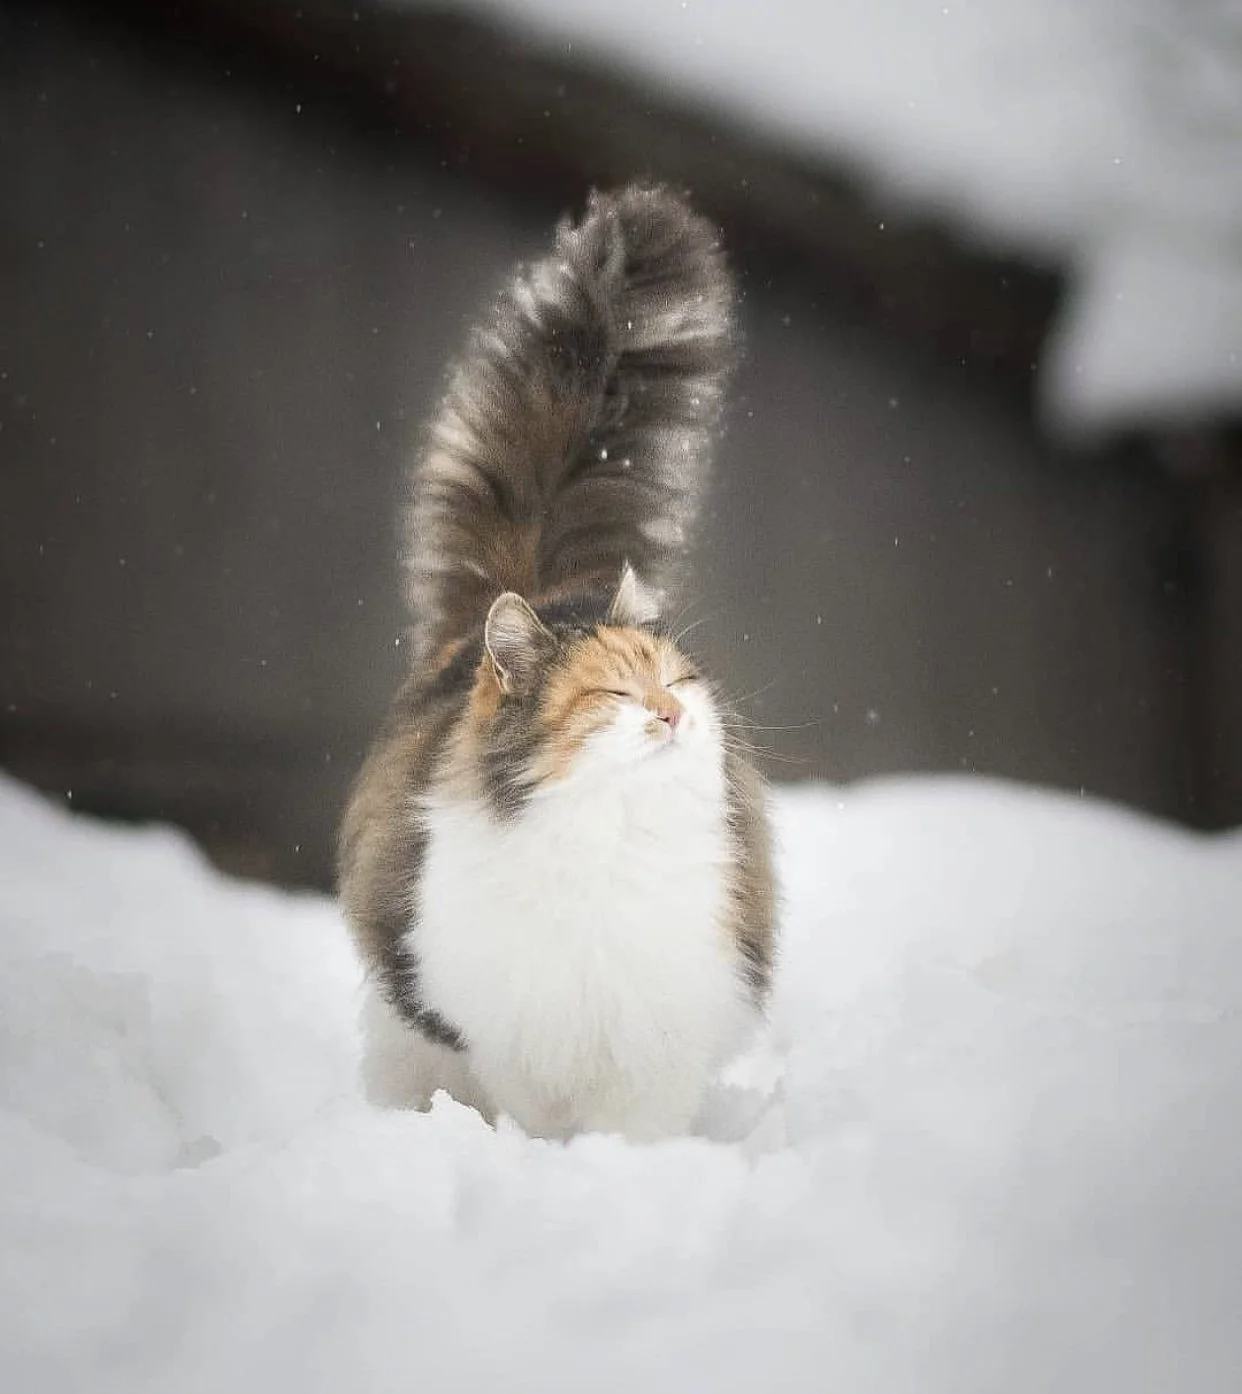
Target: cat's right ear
[[634, 603], [517, 643]]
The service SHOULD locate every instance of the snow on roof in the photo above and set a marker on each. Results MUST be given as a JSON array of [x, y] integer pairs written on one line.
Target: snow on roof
[[1104, 136], [993, 1142]]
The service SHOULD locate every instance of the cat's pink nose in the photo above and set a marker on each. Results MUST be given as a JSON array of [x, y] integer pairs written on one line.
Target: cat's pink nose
[[670, 715]]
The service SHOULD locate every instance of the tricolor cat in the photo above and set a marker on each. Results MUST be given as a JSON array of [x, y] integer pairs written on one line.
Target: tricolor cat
[[555, 862]]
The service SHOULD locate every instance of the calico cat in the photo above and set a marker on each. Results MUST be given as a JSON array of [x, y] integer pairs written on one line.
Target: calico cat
[[555, 862]]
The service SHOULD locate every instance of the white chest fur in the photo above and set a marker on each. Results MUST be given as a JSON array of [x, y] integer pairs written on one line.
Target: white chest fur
[[581, 949]]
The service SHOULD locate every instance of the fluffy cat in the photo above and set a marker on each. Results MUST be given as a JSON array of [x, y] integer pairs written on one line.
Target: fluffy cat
[[555, 862]]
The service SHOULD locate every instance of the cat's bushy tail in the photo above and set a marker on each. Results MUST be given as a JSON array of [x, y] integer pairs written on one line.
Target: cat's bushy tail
[[576, 431]]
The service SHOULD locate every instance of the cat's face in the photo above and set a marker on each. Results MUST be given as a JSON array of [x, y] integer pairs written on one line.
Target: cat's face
[[620, 696], [573, 701]]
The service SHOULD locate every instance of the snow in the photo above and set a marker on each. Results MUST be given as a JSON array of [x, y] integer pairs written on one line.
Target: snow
[[1088, 133], [993, 1143]]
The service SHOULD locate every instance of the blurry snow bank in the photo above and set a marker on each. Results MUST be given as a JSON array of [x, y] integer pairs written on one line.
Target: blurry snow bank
[[1104, 136], [994, 1143]]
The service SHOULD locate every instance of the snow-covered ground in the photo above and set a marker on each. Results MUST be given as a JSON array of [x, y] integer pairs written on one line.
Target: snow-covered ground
[[995, 1142], [1103, 135]]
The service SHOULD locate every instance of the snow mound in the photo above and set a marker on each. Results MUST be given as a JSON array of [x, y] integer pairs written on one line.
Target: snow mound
[[1102, 136], [993, 1142]]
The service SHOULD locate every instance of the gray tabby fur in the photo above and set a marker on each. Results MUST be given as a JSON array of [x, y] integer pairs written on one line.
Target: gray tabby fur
[[575, 432]]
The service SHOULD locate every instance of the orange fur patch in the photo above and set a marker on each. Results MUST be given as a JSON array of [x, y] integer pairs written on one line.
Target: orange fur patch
[[486, 695], [579, 697]]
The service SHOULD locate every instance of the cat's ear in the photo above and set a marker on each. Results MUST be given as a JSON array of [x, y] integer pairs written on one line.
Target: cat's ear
[[634, 603], [517, 642]]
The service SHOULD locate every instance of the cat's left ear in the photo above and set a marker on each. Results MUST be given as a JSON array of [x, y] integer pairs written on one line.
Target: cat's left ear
[[634, 603], [517, 642]]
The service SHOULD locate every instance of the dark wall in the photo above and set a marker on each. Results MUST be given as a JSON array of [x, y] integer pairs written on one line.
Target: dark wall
[[225, 311]]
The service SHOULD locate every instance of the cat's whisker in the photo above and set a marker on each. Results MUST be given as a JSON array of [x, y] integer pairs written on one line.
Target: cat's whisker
[[688, 629], [752, 748], [796, 726], [758, 692], [672, 621]]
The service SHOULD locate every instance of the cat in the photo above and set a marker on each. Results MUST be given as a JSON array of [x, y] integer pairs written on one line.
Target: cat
[[555, 862]]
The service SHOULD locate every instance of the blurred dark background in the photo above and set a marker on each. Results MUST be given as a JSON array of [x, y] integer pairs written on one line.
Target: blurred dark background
[[238, 244]]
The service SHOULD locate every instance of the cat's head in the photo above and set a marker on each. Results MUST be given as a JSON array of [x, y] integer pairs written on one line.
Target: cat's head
[[586, 689]]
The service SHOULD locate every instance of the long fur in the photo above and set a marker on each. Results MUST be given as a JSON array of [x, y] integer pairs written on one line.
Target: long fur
[[554, 863], [575, 432]]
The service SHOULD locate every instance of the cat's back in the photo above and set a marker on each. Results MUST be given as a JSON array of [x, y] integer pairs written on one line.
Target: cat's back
[[383, 838]]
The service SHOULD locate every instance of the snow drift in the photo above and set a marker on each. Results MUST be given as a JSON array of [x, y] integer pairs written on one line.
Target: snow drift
[[993, 1143]]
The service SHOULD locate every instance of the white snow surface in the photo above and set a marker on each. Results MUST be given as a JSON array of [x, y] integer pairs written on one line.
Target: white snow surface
[[1101, 135], [994, 1142]]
